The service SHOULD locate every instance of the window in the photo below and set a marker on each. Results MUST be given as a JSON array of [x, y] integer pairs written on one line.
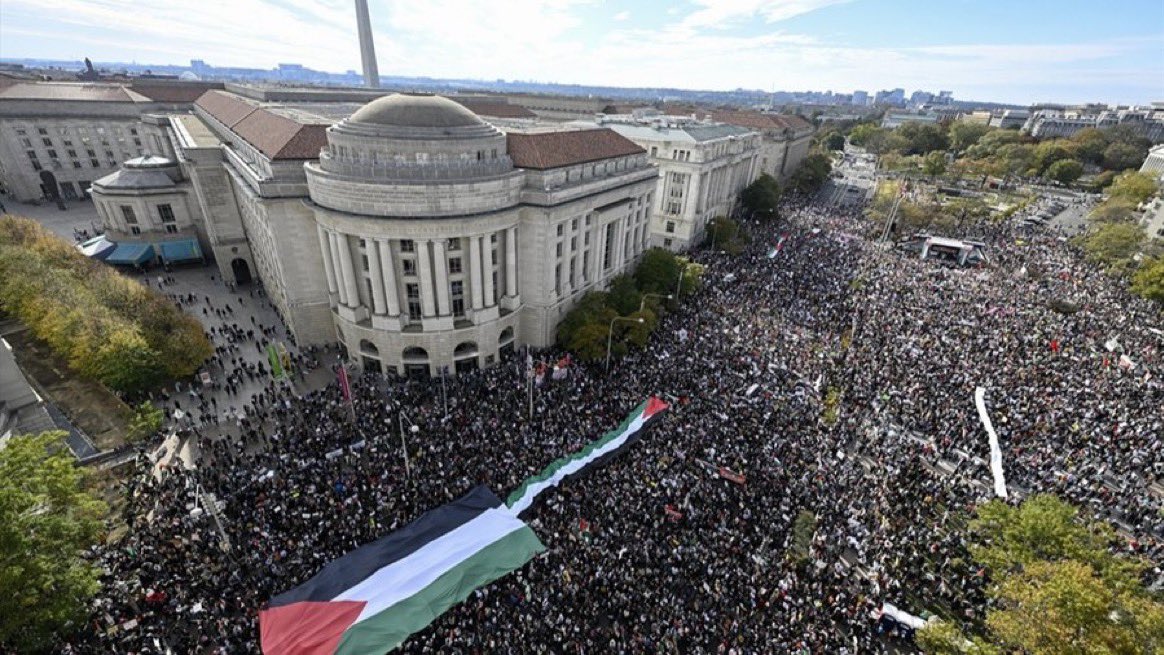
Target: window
[[32, 155], [21, 131], [128, 215], [493, 238], [27, 143], [674, 207], [413, 293], [457, 291], [133, 229], [558, 249], [109, 154], [48, 143], [36, 165], [654, 151], [588, 220], [94, 163], [133, 131], [586, 265], [409, 266], [76, 164], [585, 238], [558, 278], [560, 229], [454, 245], [666, 243], [572, 262], [91, 152], [166, 213], [609, 254], [454, 265], [573, 243], [407, 245], [670, 227], [364, 261], [172, 229], [137, 142], [574, 225], [41, 130], [52, 153], [67, 142]]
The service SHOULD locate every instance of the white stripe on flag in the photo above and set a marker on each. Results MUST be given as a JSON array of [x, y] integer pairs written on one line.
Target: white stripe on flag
[[570, 468], [405, 577], [995, 450]]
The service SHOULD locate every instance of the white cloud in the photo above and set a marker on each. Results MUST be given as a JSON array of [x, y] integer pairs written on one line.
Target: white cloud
[[726, 13], [622, 15]]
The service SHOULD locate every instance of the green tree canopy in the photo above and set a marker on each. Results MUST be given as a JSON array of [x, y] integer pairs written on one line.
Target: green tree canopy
[[1049, 152], [761, 198], [964, 134], [623, 296], [812, 173], [1114, 245], [658, 271], [988, 144], [1121, 156], [934, 164], [1133, 186], [859, 135], [1065, 171], [834, 141], [922, 138], [1114, 210], [1148, 281], [47, 519], [1090, 144]]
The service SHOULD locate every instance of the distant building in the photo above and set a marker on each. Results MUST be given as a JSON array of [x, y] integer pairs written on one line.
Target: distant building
[[702, 168], [57, 137], [895, 97], [979, 117], [1059, 123], [896, 119], [1154, 163], [860, 98], [1009, 119]]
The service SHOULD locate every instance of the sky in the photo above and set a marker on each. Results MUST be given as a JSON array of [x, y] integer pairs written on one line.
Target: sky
[[998, 50]]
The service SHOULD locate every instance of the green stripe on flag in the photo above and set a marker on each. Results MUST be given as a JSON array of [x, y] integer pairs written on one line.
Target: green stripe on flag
[[388, 629], [273, 359], [557, 464]]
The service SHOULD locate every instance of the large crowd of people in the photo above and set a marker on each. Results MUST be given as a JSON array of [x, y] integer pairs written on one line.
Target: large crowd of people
[[835, 374]]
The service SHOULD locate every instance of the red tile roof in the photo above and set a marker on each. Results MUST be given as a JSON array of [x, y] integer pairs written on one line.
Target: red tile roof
[[497, 109], [274, 135], [545, 150]]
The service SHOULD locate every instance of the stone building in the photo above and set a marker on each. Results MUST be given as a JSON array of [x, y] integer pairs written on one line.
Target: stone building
[[409, 229], [56, 138], [702, 168]]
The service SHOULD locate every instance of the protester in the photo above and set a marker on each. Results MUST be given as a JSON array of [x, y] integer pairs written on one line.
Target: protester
[[866, 361]]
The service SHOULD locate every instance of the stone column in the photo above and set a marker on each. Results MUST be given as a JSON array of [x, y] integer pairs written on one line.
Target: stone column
[[600, 253], [341, 288], [441, 264], [388, 269], [377, 275], [424, 268], [487, 273], [349, 272], [511, 262], [328, 264], [475, 271]]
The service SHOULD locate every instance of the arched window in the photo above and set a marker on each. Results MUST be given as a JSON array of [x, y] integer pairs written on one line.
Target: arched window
[[368, 348]]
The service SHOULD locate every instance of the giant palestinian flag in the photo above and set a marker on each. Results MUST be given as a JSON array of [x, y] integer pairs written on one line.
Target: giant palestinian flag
[[594, 453], [371, 599]]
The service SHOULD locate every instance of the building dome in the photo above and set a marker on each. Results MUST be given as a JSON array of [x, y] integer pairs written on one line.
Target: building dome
[[398, 110]]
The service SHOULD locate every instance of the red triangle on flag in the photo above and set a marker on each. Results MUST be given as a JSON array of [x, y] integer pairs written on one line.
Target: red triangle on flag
[[307, 627], [654, 406]]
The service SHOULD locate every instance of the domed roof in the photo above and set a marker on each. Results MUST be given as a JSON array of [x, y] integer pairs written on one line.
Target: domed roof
[[415, 111]]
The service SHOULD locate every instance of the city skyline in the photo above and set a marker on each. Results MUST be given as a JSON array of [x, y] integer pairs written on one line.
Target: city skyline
[[984, 51]]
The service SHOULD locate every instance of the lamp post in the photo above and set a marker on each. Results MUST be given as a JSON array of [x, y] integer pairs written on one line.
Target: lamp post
[[679, 282], [400, 419], [643, 302], [610, 334]]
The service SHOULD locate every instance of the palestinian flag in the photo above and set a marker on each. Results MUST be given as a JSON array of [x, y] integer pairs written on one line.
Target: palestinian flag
[[594, 453], [371, 599]]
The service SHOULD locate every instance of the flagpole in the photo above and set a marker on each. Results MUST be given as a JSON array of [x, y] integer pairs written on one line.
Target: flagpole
[[445, 393]]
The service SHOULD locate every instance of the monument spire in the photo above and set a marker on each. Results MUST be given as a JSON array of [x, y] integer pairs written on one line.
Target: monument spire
[[367, 48]]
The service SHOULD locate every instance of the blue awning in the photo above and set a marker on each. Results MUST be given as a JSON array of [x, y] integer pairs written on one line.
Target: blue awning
[[180, 251], [134, 254]]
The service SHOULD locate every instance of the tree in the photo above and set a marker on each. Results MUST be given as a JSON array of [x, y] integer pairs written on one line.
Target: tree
[[1042, 528], [944, 638], [1103, 180], [761, 198], [1013, 159], [1090, 144], [1148, 282], [592, 307], [1066, 608], [860, 135], [934, 164], [146, 421], [834, 141], [811, 174], [1114, 210], [963, 134], [589, 342], [922, 138], [1114, 245], [1133, 186], [47, 519], [722, 230], [1049, 152], [1065, 171], [1121, 156], [658, 271]]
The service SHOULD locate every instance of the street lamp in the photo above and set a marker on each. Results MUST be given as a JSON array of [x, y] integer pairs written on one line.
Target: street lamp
[[643, 302], [610, 334], [400, 419]]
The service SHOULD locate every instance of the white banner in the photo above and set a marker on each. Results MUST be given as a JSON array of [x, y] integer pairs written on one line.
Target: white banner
[[995, 450]]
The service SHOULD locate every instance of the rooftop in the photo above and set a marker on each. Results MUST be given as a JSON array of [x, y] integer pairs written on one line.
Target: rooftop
[[545, 150]]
